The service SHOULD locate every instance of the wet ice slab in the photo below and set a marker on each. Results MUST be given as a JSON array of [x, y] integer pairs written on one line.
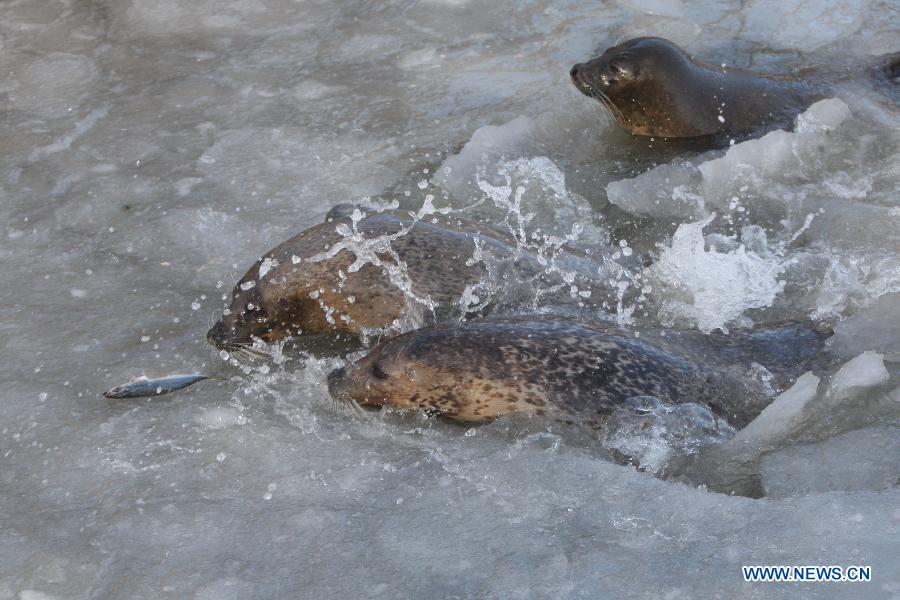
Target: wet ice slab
[[151, 151]]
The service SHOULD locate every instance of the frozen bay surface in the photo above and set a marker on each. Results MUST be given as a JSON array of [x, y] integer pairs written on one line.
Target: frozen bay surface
[[152, 150]]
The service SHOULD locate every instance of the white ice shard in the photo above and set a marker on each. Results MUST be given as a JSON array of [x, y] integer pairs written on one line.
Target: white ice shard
[[754, 162], [866, 370], [782, 416], [458, 173]]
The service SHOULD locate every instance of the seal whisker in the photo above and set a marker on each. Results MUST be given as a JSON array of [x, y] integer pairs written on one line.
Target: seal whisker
[[592, 92], [357, 410], [252, 350], [214, 316], [255, 350], [346, 404], [237, 359], [602, 109], [248, 358], [240, 357], [610, 105], [255, 355]]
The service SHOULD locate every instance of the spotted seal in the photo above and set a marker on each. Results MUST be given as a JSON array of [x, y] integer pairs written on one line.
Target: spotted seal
[[654, 88], [316, 283], [564, 369]]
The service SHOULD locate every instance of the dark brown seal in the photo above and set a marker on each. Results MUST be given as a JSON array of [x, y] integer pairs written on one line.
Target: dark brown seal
[[315, 282], [654, 88], [569, 370]]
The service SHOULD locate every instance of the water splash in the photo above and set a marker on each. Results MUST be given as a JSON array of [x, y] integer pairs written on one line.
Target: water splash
[[650, 432], [549, 223], [369, 250], [713, 287]]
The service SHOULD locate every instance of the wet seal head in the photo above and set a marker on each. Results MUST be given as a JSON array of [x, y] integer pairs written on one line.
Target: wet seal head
[[316, 285], [295, 290], [310, 285], [440, 370], [250, 317], [654, 88]]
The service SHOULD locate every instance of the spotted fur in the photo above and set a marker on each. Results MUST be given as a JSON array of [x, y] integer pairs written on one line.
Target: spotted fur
[[569, 370]]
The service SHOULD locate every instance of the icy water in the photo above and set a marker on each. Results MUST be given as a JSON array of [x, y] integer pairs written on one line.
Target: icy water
[[151, 151]]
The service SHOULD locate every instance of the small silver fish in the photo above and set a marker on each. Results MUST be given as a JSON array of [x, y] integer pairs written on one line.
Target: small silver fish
[[140, 387]]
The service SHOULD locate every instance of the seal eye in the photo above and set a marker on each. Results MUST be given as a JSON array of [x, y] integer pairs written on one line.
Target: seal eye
[[614, 68], [378, 372]]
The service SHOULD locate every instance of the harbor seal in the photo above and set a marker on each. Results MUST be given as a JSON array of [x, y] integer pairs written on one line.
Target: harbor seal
[[654, 88], [564, 369], [358, 272]]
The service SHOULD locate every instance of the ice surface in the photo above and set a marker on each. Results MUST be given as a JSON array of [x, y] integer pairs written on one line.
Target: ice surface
[[169, 17], [50, 85], [876, 327], [664, 192], [289, 162], [802, 25], [802, 422], [865, 459], [667, 8], [151, 151]]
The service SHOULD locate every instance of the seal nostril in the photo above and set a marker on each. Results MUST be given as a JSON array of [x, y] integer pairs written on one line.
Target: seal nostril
[[334, 379], [216, 334], [573, 71]]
